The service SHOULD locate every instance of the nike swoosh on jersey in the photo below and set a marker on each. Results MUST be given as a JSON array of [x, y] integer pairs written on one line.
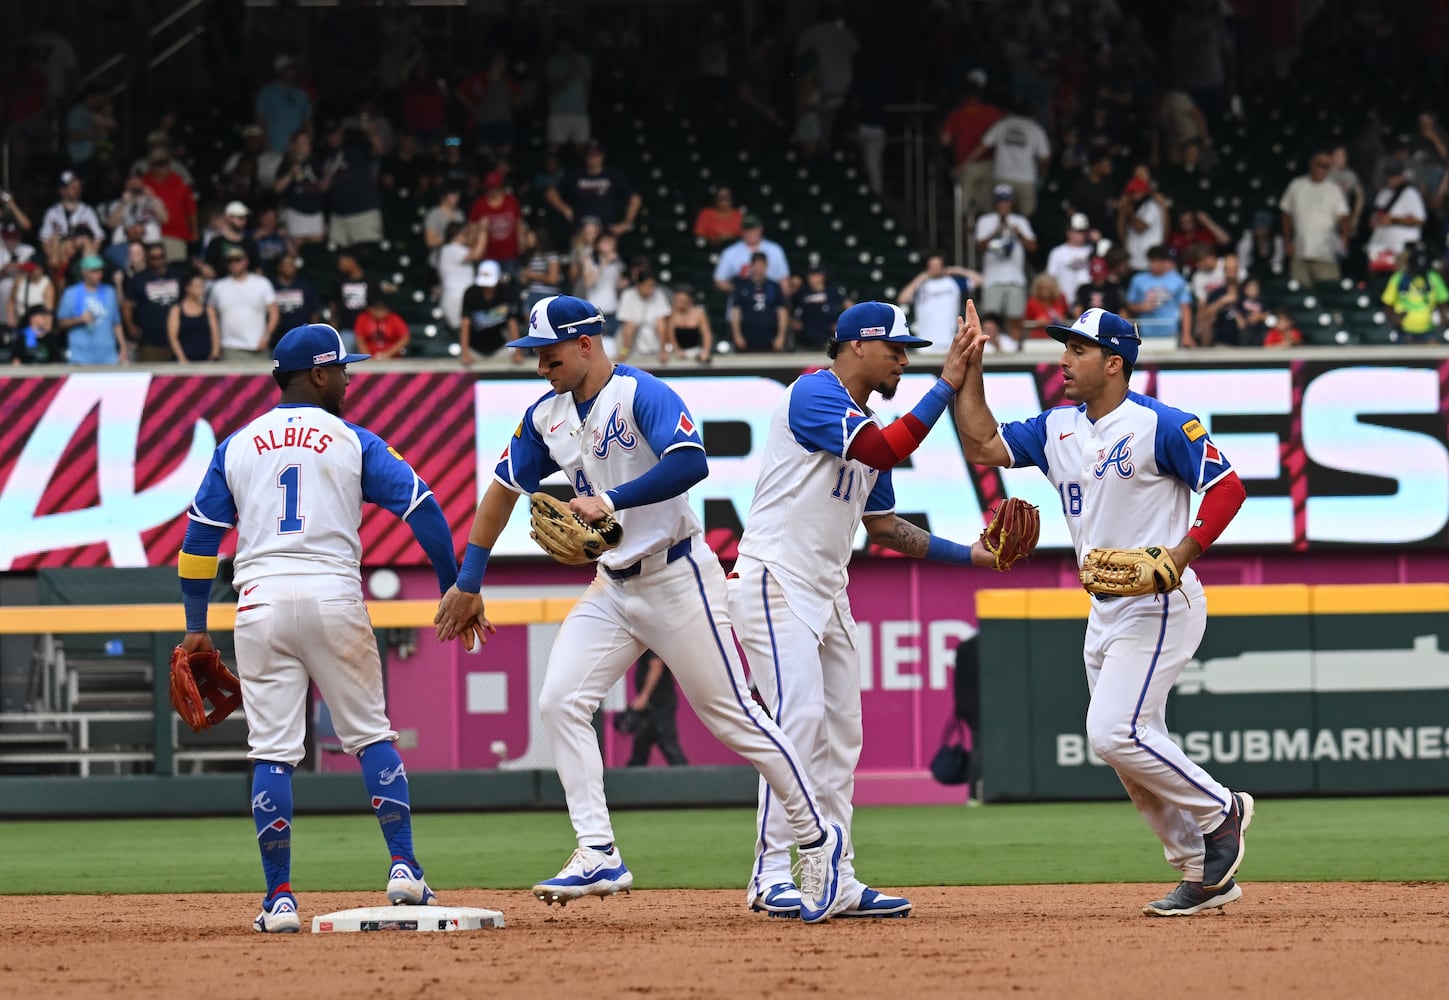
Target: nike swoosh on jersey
[[1063, 437], [557, 426]]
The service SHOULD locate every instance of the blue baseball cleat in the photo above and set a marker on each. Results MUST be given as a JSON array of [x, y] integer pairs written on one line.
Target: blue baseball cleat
[[278, 916], [878, 904], [780, 900], [588, 873]]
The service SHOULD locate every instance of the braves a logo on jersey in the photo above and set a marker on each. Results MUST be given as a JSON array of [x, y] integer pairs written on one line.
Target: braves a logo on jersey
[[615, 431], [1119, 456]]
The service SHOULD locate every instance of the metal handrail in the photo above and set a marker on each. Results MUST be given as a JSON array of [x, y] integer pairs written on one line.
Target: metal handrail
[[101, 70], [173, 17], [176, 46]]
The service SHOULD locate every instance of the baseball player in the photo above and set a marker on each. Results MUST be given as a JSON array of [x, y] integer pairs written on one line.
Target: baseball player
[[293, 482], [826, 466], [629, 448], [1124, 465]]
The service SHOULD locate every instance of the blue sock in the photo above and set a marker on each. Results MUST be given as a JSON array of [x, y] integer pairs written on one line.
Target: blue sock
[[387, 783], [272, 813]]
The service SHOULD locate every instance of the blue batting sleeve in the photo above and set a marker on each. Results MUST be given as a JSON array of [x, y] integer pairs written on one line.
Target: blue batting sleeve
[[660, 414], [1026, 440], [1183, 448], [676, 472], [387, 479], [822, 416], [525, 461], [934, 403], [944, 550], [882, 499], [430, 528], [201, 544]]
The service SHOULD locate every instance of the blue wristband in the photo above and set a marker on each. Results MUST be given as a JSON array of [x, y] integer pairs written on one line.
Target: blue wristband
[[934, 403], [944, 550], [470, 574]]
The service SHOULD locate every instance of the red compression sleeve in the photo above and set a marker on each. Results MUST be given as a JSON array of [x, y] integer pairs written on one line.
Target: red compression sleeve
[[1219, 504], [885, 449]]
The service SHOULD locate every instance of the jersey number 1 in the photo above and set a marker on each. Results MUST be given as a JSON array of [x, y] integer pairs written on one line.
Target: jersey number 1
[[289, 481]]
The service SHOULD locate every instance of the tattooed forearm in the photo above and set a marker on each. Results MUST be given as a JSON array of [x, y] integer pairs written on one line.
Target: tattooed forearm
[[896, 533]]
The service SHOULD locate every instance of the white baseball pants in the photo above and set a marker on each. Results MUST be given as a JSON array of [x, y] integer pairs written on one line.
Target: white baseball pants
[[678, 610], [1135, 649]]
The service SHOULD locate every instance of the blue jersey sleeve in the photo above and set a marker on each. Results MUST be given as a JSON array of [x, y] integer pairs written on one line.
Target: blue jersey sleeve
[[882, 499], [387, 479], [525, 461], [1184, 449], [214, 503], [661, 415], [823, 417], [1026, 440]]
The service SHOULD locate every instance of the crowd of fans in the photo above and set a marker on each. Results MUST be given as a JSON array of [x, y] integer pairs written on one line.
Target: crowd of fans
[[1072, 123]]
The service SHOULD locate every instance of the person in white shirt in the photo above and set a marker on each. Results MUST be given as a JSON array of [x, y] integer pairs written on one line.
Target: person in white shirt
[[246, 310], [1141, 219], [1003, 239], [1070, 262], [457, 266], [1398, 219], [935, 297], [65, 215], [1315, 222], [734, 261], [644, 311], [1021, 155]]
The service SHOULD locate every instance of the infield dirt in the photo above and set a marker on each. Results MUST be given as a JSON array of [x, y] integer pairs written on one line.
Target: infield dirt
[[1316, 939]]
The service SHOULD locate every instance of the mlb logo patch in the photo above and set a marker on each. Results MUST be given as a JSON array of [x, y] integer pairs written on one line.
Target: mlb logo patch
[[872, 331], [685, 424], [322, 359]]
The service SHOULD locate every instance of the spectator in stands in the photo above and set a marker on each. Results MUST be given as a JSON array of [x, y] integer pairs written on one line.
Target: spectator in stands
[[998, 341], [14, 254], [146, 303], [242, 172], [1200, 51], [1191, 227], [689, 326], [815, 307], [1315, 223], [1160, 301], [88, 127], [297, 302], [644, 311], [830, 47], [283, 108], [569, 73], [962, 133], [118, 255], [192, 330], [602, 278], [759, 319], [139, 206], [490, 95], [91, 318], [1413, 294], [31, 343], [1091, 193], [1045, 305], [1216, 322], [581, 253], [11, 214], [246, 310], [543, 273], [1020, 155], [301, 192], [32, 288], [1283, 331], [456, 167], [1068, 261], [1340, 173], [657, 702], [1250, 314], [271, 239], [442, 215], [936, 297], [734, 260], [62, 218], [352, 290], [82, 242], [1180, 125], [178, 225], [490, 315], [424, 104], [1260, 248], [408, 170], [809, 133], [467, 244], [1141, 217], [350, 180], [598, 190], [1398, 220], [231, 235], [500, 214], [1003, 239], [380, 332], [720, 221]]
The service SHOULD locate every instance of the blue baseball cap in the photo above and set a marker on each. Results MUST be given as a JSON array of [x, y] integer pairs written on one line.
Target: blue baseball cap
[[315, 345], [876, 321], [559, 318], [1116, 334]]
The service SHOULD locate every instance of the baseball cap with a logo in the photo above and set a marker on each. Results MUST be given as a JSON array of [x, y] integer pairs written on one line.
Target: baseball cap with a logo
[[315, 345], [559, 318], [1116, 334], [876, 321]]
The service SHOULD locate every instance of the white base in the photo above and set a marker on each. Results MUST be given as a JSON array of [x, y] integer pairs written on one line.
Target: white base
[[407, 918]]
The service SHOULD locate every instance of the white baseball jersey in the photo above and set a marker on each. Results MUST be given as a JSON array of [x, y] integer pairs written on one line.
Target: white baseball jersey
[[615, 438], [810, 498], [293, 481]]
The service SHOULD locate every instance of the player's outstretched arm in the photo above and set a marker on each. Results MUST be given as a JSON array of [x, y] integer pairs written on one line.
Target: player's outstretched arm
[[460, 612], [980, 438], [899, 535]]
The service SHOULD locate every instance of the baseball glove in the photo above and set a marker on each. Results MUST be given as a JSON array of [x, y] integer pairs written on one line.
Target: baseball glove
[[628, 722], [199, 677], [1013, 532], [566, 536], [1130, 572]]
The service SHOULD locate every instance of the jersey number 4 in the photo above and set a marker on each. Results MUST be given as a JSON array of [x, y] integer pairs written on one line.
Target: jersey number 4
[[289, 481]]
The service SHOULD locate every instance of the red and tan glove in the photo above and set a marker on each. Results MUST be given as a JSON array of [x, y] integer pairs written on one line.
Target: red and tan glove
[[198, 678], [1013, 532]]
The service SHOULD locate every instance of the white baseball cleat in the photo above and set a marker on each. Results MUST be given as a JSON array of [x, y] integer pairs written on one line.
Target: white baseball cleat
[[588, 873], [278, 916], [406, 887], [820, 876]]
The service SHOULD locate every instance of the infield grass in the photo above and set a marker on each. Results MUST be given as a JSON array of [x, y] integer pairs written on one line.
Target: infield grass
[[1380, 839]]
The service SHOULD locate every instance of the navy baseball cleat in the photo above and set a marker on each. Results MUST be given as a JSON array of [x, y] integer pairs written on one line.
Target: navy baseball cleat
[[1190, 897], [588, 873], [820, 876], [405, 886], [780, 900], [1223, 849], [278, 916], [878, 904]]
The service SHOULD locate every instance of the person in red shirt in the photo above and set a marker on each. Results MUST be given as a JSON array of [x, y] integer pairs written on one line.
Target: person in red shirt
[[962, 133], [178, 232], [502, 217], [1045, 306], [1190, 227], [1283, 333], [719, 222], [381, 332]]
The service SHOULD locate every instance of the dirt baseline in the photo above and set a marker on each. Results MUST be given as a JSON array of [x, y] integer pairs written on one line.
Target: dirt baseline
[[1319, 939]]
